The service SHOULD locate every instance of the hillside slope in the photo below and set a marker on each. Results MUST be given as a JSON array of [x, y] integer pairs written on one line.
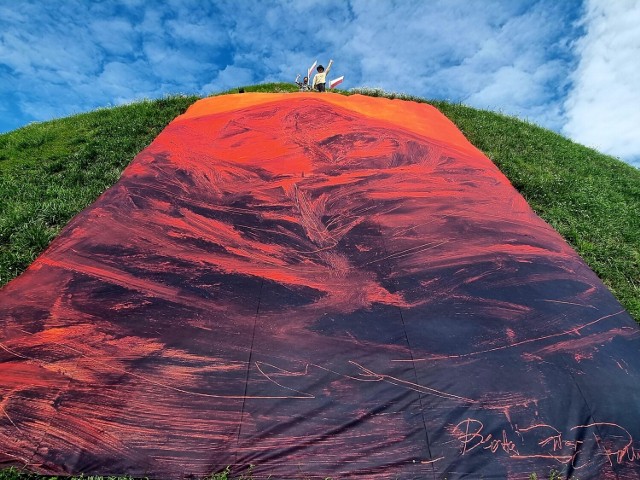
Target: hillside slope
[[50, 171], [368, 297]]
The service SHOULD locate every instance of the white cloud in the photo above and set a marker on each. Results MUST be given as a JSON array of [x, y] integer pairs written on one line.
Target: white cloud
[[603, 108], [200, 32], [230, 77], [508, 56], [116, 36], [506, 87], [121, 80]]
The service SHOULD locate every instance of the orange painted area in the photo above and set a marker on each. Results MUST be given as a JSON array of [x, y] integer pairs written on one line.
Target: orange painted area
[[419, 118]]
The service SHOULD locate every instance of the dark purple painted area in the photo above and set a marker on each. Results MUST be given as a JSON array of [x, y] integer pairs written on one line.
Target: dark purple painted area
[[353, 299]]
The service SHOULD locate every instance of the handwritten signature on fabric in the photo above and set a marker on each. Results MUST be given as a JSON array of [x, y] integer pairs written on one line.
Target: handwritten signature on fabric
[[544, 441]]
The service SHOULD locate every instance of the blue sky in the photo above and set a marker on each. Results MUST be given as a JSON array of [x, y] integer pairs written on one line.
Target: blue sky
[[571, 66]]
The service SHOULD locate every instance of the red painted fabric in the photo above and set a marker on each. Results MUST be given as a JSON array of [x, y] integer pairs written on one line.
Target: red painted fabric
[[316, 285]]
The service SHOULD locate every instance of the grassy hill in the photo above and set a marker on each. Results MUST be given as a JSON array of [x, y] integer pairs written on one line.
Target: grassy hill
[[50, 171]]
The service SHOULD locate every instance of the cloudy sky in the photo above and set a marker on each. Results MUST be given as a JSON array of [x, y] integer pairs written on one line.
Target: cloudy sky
[[572, 66]]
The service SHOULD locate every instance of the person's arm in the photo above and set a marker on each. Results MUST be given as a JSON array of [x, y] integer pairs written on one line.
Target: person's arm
[[315, 77], [328, 67]]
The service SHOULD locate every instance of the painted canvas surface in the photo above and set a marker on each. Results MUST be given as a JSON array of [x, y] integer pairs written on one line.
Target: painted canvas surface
[[319, 286]]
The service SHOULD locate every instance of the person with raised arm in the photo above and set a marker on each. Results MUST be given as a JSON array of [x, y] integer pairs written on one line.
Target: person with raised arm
[[320, 78], [304, 85]]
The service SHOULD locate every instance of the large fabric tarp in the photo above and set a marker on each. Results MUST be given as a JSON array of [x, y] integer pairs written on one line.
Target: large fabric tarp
[[319, 286]]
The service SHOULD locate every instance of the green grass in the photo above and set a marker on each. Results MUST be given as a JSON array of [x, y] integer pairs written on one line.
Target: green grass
[[50, 171], [267, 88], [553, 475], [15, 474]]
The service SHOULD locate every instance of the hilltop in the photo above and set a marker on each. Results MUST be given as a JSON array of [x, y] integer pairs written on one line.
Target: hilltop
[[50, 171]]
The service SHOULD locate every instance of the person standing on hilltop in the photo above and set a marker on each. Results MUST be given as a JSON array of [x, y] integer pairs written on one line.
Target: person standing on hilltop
[[320, 78], [304, 85]]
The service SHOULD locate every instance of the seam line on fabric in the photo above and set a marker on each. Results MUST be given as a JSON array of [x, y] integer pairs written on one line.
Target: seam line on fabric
[[413, 366], [246, 380]]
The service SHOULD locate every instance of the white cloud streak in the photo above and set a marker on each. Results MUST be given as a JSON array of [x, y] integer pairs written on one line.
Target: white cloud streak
[[603, 108]]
